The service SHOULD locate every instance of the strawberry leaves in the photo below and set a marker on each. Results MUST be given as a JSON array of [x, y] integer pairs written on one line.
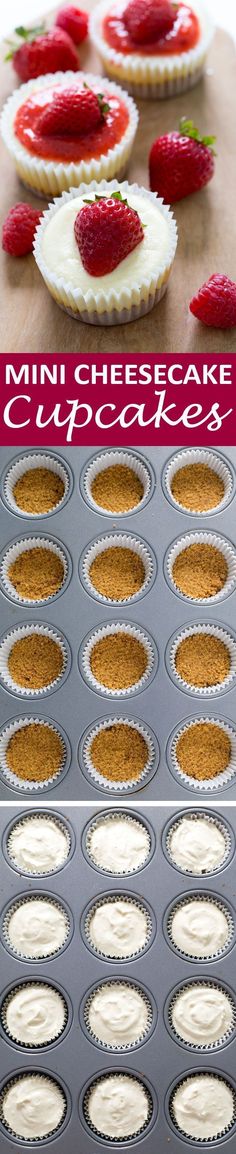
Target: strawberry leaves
[[188, 128]]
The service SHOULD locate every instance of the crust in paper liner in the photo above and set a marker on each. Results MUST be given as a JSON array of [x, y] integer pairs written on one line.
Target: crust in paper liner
[[25, 544], [116, 541], [12, 1082], [116, 897], [130, 986], [105, 461], [211, 983], [212, 820], [213, 900], [96, 306], [46, 816], [221, 779], [114, 816], [156, 77], [49, 177], [213, 630], [25, 986], [105, 782], [195, 457], [26, 898], [183, 1082], [7, 732], [107, 631], [218, 542], [23, 464], [103, 1077], [6, 645]]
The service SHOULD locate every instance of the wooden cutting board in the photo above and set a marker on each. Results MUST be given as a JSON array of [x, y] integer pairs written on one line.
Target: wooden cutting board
[[31, 322]]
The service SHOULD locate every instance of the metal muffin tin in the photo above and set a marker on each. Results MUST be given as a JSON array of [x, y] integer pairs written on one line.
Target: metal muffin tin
[[75, 1058], [161, 704]]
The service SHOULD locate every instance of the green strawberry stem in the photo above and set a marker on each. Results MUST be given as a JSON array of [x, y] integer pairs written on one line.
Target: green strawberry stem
[[187, 128], [103, 105], [25, 34]]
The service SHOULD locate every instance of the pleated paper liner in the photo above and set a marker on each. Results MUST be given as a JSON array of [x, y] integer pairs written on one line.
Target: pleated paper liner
[[211, 899], [29, 630], [149, 1105], [217, 542], [21, 783], [203, 1142], [107, 460], [213, 820], [222, 779], [111, 984], [115, 816], [46, 1077], [130, 900], [202, 629], [35, 460], [108, 630], [54, 902], [118, 541], [101, 780], [26, 544], [205, 984], [39, 985], [213, 461], [22, 823]]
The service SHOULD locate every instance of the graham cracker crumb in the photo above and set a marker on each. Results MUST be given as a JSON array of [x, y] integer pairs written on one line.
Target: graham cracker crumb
[[38, 490], [119, 753], [202, 660], [197, 487], [117, 488], [200, 571], [36, 573], [117, 573], [118, 661], [35, 752], [203, 751], [35, 661]]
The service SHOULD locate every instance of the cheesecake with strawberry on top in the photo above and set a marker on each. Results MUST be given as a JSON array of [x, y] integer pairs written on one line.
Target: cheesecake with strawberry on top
[[156, 48]]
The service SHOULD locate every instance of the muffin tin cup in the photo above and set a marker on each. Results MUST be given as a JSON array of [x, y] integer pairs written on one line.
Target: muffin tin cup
[[131, 817], [56, 1132], [199, 896], [22, 822], [110, 629], [29, 630], [202, 538], [213, 819], [221, 780], [115, 541], [201, 983], [212, 630], [214, 461], [133, 1137], [20, 900], [20, 783], [118, 786], [23, 465], [108, 459], [108, 983], [15, 988], [25, 545], [106, 899], [201, 1143]]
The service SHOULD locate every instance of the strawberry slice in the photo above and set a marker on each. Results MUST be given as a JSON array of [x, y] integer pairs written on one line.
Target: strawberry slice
[[72, 113], [148, 20], [181, 162], [215, 302], [106, 230]]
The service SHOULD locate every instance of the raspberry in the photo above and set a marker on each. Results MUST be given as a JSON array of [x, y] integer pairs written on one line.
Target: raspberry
[[148, 20], [181, 163], [74, 21], [106, 231], [72, 113], [215, 302], [19, 229], [42, 52]]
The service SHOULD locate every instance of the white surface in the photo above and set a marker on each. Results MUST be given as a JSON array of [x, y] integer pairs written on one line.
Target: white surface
[[15, 13]]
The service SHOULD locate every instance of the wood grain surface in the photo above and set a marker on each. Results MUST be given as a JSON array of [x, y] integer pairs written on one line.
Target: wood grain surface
[[30, 321]]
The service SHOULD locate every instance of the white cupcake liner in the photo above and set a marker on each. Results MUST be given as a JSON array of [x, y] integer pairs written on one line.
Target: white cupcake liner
[[54, 901], [13, 551], [109, 630], [108, 783], [13, 1082], [184, 1082], [24, 465], [50, 177], [105, 461], [100, 1133], [197, 1047], [103, 818], [222, 779], [104, 985], [12, 727], [97, 306], [23, 821], [213, 631], [7, 1001], [214, 900], [199, 457], [106, 900], [6, 646], [217, 542], [116, 541], [153, 76], [212, 820]]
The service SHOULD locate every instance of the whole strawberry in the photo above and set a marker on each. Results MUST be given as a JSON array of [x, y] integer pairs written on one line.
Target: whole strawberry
[[72, 113], [19, 229], [106, 231], [215, 302], [148, 20], [74, 21], [181, 162], [40, 52]]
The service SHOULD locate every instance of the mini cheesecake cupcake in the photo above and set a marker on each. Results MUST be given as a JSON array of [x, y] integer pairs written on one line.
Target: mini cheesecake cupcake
[[118, 928], [38, 844], [34, 1014], [36, 927], [118, 1015], [106, 251], [118, 843], [118, 1106], [32, 1106], [203, 1106], [155, 49], [198, 843], [200, 927], [202, 1014], [66, 128]]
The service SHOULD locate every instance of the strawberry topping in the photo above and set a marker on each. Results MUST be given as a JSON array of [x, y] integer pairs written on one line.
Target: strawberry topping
[[106, 231]]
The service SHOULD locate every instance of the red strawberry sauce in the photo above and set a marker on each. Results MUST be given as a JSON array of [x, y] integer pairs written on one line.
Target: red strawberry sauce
[[74, 148], [183, 36]]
